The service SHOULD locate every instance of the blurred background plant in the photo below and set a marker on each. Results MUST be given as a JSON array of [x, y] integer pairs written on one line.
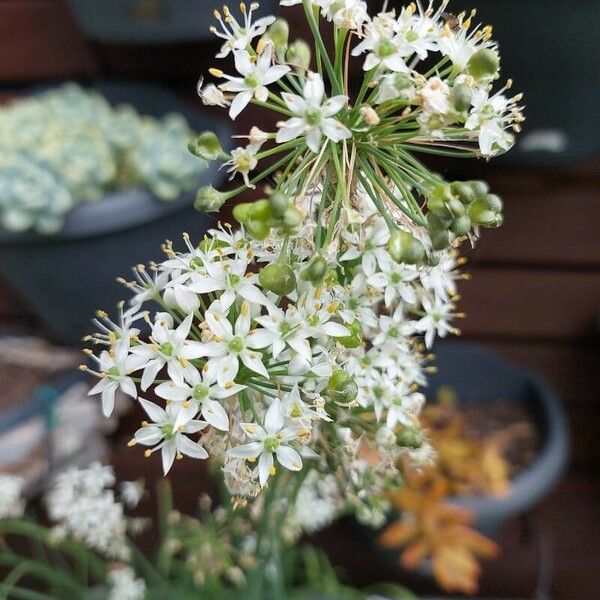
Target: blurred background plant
[[68, 145]]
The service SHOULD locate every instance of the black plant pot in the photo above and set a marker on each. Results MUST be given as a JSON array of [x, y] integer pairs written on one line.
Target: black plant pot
[[479, 376], [64, 278]]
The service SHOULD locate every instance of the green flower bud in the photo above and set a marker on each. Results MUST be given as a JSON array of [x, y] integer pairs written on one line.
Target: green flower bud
[[278, 33], [315, 270], [279, 203], [206, 146], [278, 278], [464, 191], [261, 211], [460, 96], [437, 222], [241, 212], [259, 230], [354, 340], [402, 81], [460, 225], [440, 239], [439, 198], [410, 438], [487, 211], [480, 188], [341, 387], [405, 248], [456, 207], [209, 200], [299, 55], [484, 64]]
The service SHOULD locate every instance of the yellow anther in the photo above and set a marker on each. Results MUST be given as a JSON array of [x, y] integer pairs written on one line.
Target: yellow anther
[[215, 72], [132, 442], [83, 367], [148, 453], [242, 7], [245, 311], [251, 459], [217, 14], [272, 471]]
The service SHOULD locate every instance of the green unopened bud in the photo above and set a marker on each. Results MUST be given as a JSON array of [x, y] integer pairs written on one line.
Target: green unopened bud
[[315, 271], [299, 55], [341, 387], [354, 340], [439, 198], [440, 239], [278, 33], [456, 207], [206, 146], [278, 278], [402, 81], [279, 203], [437, 222], [484, 64], [480, 188], [410, 438], [241, 212], [405, 248], [460, 225], [209, 200], [460, 96], [464, 191], [258, 220], [487, 211]]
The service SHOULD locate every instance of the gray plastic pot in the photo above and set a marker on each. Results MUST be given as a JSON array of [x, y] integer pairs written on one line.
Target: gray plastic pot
[[66, 277], [154, 21]]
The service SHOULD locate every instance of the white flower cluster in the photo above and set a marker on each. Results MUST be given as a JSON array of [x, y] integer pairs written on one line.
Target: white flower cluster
[[82, 504], [11, 501], [273, 380], [124, 585]]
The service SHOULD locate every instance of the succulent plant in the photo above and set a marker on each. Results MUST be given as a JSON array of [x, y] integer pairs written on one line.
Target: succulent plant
[[68, 145]]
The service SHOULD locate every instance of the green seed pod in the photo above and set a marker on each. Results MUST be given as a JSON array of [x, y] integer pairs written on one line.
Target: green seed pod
[[259, 230], [481, 214], [484, 64], [261, 211], [354, 340], [341, 387], [278, 278], [460, 225], [405, 248], [209, 200], [279, 203], [460, 96], [464, 191], [279, 33], [299, 55], [315, 270], [241, 211], [206, 146]]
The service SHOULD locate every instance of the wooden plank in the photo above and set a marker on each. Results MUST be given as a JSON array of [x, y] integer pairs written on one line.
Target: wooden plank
[[40, 40], [547, 226], [530, 304]]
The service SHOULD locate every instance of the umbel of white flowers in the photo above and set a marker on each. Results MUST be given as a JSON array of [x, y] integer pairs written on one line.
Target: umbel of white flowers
[[299, 342]]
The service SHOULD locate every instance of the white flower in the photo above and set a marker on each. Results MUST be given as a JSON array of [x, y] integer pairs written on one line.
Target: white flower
[[313, 116], [434, 96], [436, 319], [348, 14], [383, 45], [170, 347], [132, 492], [269, 439], [368, 245], [124, 585], [230, 278], [488, 116], [404, 407], [202, 396], [397, 282], [243, 160], [236, 36], [116, 367], [394, 328], [167, 434], [11, 502], [255, 77], [230, 345], [211, 95]]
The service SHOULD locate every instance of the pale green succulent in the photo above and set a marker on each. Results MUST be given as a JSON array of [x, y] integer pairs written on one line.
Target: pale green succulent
[[68, 146]]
